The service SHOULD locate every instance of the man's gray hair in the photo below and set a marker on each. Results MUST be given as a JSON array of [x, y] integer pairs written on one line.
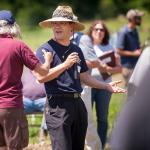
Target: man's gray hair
[[9, 29]]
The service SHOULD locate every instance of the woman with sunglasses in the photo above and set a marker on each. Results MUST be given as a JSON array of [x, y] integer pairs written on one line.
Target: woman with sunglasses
[[99, 35]]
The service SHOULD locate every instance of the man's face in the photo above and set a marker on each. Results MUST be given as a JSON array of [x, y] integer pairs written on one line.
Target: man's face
[[137, 20], [62, 30]]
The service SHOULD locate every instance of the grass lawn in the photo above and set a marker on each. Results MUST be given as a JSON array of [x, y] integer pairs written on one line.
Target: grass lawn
[[116, 104], [34, 122]]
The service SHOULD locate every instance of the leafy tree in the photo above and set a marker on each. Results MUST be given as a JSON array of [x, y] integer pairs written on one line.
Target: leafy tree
[[30, 12]]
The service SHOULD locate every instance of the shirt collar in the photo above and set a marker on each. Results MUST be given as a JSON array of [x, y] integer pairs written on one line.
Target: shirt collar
[[5, 36], [129, 29]]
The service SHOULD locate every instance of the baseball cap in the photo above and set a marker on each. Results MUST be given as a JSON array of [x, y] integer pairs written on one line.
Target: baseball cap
[[7, 16], [134, 13]]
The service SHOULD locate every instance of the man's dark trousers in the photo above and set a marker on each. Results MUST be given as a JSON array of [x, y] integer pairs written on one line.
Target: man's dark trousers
[[66, 119]]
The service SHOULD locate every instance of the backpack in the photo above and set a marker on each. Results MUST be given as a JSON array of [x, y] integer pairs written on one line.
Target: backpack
[[76, 38]]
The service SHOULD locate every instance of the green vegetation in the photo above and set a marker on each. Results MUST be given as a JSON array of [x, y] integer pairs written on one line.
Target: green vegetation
[[31, 12], [35, 37], [34, 122]]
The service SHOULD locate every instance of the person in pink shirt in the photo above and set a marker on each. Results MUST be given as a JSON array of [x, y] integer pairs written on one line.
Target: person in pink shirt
[[14, 54]]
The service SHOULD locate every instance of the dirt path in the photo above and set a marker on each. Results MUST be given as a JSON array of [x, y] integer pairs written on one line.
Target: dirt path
[[40, 146]]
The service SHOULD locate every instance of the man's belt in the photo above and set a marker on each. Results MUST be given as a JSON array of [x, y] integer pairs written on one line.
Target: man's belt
[[65, 95]]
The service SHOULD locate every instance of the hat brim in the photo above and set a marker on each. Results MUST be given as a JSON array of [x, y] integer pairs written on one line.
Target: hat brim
[[48, 23], [141, 14]]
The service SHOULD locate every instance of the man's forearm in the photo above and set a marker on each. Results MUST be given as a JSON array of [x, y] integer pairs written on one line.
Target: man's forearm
[[53, 73], [122, 52], [91, 81], [45, 67], [41, 69], [98, 64], [94, 83]]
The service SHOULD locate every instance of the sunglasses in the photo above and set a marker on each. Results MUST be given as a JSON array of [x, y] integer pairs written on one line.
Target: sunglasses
[[99, 29], [137, 17]]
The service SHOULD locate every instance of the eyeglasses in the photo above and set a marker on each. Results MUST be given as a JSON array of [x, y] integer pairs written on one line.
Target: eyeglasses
[[137, 18], [99, 29]]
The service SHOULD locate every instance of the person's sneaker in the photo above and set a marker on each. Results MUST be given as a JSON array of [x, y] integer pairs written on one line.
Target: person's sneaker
[[107, 146]]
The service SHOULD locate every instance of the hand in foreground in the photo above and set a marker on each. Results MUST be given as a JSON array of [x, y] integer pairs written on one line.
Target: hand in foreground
[[48, 56], [114, 88]]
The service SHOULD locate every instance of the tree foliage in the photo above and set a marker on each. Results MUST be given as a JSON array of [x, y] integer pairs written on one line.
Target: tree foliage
[[32, 11]]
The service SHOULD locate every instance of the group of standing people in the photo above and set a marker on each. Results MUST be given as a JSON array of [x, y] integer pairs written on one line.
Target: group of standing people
[[64, 67]]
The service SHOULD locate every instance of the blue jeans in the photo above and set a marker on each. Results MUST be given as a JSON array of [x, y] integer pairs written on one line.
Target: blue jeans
[[101, 99], [31, 106]]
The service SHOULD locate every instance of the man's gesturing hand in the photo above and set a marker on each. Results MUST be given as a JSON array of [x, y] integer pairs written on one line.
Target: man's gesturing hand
[[114, 88]]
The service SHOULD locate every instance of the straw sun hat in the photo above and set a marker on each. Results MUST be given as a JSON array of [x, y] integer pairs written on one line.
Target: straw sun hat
[[63, 13]]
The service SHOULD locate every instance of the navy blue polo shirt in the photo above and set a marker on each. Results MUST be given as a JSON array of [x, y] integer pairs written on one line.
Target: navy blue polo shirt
[[128, 39], [68, 81]]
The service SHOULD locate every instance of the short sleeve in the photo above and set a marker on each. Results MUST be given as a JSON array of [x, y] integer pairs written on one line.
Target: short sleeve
[[28, 57], [87, 48], [121, 40], [83, 65], [39, 53], [138, 40]]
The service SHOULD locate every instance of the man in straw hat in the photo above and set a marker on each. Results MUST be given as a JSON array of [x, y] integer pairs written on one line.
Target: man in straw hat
[[14, 54], [128, 44], [65, 112]]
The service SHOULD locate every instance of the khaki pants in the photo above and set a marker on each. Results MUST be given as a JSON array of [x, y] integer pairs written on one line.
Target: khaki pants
[[126, 73], [13, 128], [92, 141]]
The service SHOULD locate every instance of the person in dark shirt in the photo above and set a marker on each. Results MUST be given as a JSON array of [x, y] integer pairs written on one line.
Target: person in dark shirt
[[14, 54], [65, 112], [128, 43]]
